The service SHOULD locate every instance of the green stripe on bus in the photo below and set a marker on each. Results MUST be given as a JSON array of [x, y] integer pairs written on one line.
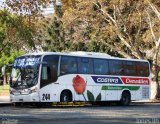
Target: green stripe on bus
[[120, 87]]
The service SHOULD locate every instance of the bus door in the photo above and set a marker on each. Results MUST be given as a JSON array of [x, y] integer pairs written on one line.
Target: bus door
[[49, 76]]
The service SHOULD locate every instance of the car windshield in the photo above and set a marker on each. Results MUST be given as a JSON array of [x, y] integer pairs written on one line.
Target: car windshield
[[25, 72]]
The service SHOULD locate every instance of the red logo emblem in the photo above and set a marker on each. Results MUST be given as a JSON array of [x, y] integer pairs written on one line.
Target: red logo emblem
[[140, 81]]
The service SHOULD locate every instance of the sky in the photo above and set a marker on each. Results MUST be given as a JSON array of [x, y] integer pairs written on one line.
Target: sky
[[1, 2], [48, 10]]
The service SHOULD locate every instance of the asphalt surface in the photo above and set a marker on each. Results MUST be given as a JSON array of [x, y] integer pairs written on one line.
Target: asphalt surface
[[148, 113]]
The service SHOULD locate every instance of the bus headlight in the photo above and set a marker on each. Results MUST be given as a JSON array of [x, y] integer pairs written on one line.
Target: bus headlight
[[12, 91], [35, 89]]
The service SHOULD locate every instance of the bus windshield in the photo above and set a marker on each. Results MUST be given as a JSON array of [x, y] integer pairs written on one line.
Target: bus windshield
[[25, 72]]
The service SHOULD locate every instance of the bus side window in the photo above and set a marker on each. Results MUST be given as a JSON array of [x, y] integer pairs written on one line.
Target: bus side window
[[68, 65], [63, 69], [130, 68], [116, 67], [142, 69], [100, 66], [85, 66]]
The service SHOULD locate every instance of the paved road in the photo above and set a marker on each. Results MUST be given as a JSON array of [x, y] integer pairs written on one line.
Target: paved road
[[136, 113]]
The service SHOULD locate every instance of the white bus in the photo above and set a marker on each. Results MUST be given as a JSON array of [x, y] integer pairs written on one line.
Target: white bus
[[78, 76]]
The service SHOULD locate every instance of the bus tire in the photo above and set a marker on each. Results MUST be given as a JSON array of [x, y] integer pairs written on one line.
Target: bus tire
[[125, 98], [66, 96]]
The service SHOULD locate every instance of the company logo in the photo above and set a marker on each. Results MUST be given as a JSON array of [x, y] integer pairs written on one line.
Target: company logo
[[141, 81], [104, 79]]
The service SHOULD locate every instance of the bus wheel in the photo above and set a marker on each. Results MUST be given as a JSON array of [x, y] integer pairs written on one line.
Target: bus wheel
[[126, 98], [66, 96]]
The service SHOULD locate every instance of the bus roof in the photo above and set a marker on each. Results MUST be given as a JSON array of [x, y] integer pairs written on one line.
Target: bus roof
[[83, 54], [76, 53]]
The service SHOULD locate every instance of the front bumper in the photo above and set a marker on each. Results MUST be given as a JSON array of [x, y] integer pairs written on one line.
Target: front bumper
[[33, 97]]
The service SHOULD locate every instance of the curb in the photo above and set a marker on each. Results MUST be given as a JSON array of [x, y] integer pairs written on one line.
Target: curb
[[145, 102]]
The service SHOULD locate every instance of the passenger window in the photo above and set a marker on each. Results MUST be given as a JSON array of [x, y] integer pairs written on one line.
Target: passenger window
[[130, 68], [142, 69], [85, 66], [116, 67], [52, 60], [68, 65], [101, 67]]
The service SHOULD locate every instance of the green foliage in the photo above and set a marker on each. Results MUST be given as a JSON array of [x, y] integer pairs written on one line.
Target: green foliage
[[14, 33], [8, 58], [16, 29], [116, 26], [59, 38], [2, 35]]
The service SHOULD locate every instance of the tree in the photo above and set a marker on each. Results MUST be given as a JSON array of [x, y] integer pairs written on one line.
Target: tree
[[31, 12], [56, 37], [14, 35], [14, 32], [7, 58], [154, 24], [27, 13]]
